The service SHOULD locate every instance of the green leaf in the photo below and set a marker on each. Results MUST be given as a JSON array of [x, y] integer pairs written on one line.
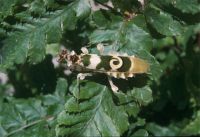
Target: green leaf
[[38, 130], [7, 7], [86, 117], [55, 103], [136, 38], [158, 130], [31, 42], [140, 132], [103, 19], [185, 6], [18, 115], [37, 7], [193, 127], [124, 35], [142, 95], [82, 8], [163, 22], [131, 108], [99, 36], [61, 87], [98, 18], [2, 131], [28, 109], [32, 117]]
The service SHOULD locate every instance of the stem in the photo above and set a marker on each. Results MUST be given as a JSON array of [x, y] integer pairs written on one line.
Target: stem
[[29, 125]]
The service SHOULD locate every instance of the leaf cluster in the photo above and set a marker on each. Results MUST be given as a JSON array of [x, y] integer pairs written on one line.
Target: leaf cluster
[[39, 99]]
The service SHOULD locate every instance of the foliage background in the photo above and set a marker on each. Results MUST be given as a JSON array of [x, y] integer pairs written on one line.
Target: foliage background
[[39, 99]]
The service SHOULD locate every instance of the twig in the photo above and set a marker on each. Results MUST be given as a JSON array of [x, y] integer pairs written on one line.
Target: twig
[[29, 125]]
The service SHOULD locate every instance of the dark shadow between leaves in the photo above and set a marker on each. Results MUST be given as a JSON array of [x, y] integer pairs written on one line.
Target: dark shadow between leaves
[[123, 85], [32, 80], [75, 39]]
